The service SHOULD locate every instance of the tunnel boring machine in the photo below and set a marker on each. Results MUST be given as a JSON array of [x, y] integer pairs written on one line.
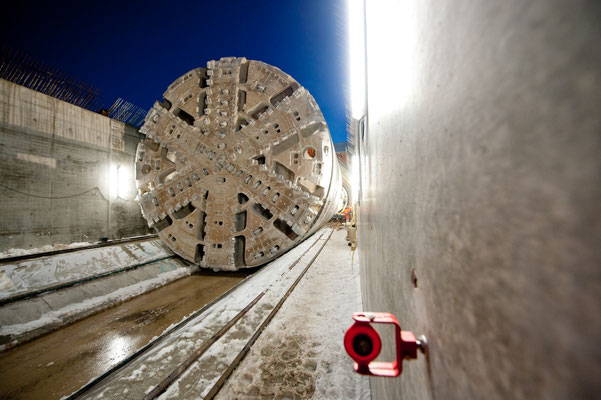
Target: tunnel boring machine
[[237, 165]]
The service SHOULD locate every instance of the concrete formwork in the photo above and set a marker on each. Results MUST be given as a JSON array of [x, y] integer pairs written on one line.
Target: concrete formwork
[[481, 189], [238, 165], [66, 172]]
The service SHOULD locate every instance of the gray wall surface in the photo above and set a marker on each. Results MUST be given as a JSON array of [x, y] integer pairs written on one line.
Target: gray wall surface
[[481, 173], [55, 172]]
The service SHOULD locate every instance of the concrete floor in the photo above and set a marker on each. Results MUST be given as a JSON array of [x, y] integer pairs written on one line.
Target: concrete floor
[[299, 353], [59, 363], [156, 365]]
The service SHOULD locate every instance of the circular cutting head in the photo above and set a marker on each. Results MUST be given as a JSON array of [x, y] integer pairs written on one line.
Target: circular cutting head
[[237, 165]]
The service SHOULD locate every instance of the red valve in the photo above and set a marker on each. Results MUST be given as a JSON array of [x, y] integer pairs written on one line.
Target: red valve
[[362, 342]]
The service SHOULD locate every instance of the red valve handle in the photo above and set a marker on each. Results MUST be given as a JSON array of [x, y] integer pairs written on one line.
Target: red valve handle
[[362, 342]]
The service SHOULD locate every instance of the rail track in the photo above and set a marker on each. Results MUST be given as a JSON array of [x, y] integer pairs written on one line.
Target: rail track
[[193, 356], [12, 259], [44, 292], [64, 285]]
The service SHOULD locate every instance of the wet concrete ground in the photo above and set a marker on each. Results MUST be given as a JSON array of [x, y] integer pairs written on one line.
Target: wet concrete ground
[[61, 362]]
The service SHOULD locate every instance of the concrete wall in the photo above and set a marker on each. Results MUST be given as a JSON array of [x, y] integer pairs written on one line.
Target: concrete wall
[[50, 153], [481, 176]]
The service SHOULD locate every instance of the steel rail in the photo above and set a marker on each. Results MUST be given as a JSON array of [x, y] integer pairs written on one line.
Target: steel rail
[[152, 343], [12, 259], [176, 373], [226, 374], [144, 349], [172, 377], [64, 285]]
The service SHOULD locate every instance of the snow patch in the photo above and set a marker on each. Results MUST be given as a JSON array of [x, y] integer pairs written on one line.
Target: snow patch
[[44, 249], [43, 272], [301, 353], [64, 314]]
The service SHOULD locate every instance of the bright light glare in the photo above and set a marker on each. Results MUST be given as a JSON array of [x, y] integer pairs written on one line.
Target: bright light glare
[[356, 48], [120, 182], [125, 182], [114, 349], [391, 54], [113, 182], [117, 349]]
